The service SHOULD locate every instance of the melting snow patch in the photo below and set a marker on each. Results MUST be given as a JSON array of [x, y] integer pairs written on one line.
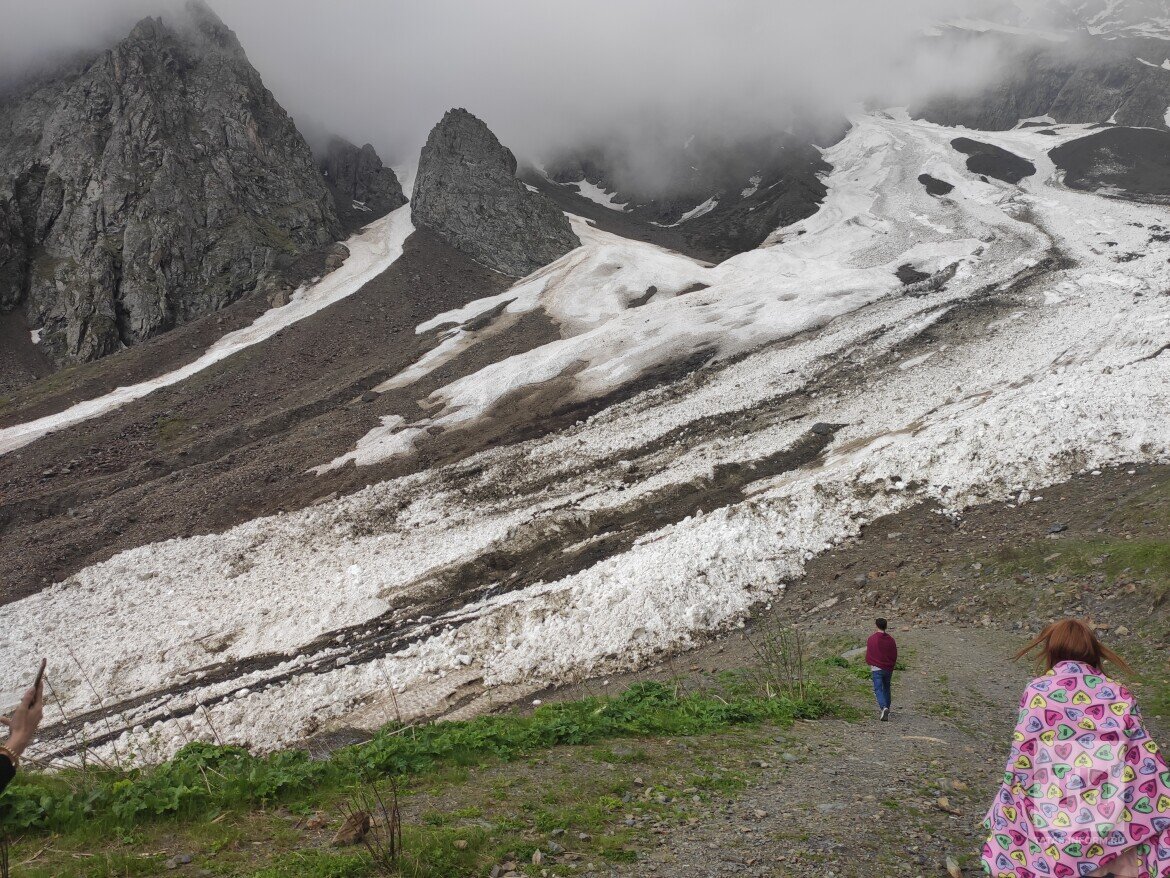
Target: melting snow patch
[[706, 207], [992, 419], [599, 196], [35, 335]]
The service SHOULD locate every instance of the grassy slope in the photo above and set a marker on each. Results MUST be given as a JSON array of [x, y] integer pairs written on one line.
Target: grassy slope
[[503, 782]]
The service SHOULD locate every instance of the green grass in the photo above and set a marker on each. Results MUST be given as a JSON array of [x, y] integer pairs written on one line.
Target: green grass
[[171, 429], [1139, 558], [203, 780]]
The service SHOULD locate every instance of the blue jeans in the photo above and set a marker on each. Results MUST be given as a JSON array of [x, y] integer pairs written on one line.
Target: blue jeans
[[881, 687]]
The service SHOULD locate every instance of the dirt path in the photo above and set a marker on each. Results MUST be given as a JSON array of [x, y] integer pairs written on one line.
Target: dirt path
[[862, 799], [846, 799]]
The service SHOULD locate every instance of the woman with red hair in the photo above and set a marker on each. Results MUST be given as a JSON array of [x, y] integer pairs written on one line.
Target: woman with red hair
[[1086, 792]]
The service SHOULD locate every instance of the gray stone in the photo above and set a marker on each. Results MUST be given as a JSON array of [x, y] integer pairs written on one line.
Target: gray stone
[[466, 192], [362, 188], [148, 186]]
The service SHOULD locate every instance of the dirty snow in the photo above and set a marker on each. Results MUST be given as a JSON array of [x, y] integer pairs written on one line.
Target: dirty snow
[[1062, 377]]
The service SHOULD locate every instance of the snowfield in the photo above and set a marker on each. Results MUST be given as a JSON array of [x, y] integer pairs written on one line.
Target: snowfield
[[1033, 353], [598, 195]]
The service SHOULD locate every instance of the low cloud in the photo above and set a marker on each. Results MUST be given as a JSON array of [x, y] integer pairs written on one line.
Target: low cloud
[[545, 73]]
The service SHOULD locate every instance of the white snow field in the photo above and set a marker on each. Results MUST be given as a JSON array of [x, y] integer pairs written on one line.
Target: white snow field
[[1056, 371], [598, 195], [371, 251]]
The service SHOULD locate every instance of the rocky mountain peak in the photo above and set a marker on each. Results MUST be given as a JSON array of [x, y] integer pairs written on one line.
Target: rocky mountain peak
[[150, 186], [203, 20], [362, 187], [466, 191], [463, 131]]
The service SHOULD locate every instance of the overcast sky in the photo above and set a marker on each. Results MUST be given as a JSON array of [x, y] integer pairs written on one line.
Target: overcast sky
[[541, 71]]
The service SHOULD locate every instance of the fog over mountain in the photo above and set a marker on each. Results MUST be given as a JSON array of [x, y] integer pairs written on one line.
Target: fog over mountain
[[386, 362], [542, 74]]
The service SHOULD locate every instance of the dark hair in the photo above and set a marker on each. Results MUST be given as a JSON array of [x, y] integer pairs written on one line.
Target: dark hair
[[1071, 640], [881, 623]]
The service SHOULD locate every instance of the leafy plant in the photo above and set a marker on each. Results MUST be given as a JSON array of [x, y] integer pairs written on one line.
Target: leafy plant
[[780, 657]]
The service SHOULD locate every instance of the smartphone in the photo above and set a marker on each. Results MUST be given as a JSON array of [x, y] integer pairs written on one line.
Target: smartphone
[[40, 676]]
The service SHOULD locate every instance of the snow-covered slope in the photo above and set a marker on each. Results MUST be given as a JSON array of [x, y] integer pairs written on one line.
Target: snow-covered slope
[[1035, 350], [1111, 18]]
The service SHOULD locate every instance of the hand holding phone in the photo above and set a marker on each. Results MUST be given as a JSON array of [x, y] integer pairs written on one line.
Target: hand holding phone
[[38, 683], [22, 725]]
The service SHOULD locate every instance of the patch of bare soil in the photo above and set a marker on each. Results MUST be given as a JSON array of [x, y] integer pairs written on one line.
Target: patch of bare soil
[[21, 361]]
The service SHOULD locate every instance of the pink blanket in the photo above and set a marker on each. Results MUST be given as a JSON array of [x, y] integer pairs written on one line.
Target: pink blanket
[[1083, 785]]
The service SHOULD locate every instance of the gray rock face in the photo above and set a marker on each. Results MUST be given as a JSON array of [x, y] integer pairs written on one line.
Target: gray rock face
[[148, 186], [1089, 80], [744, 187], [1133, 161], [466, 191], [362, 188]]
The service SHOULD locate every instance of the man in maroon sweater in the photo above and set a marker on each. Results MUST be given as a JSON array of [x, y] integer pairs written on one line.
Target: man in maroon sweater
[[881, 654]]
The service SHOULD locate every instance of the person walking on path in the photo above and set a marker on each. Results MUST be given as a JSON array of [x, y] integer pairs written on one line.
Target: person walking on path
[[1085, 793], [881, 654]]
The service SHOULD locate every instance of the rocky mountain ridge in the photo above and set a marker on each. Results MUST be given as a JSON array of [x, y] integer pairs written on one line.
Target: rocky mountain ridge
[[152, 184], [1082, 79], [1109, 18], [720, 196], [362, 188]]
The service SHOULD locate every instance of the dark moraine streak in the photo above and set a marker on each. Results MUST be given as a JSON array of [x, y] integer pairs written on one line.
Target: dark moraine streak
[[994, 161], [1135, 161], [934, 185], [908, 274]]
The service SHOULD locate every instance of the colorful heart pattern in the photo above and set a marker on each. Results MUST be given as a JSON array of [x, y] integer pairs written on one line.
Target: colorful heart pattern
[[1084, 783]]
